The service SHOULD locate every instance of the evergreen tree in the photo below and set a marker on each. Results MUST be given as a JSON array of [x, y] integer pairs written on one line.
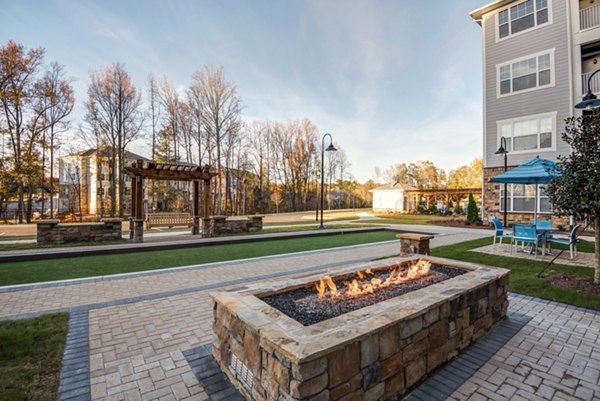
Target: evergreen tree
[[472, 214]]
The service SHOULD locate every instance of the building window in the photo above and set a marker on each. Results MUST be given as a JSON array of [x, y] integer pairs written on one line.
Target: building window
[[529, 134], [521, 199], [523, 16], [532, 72]]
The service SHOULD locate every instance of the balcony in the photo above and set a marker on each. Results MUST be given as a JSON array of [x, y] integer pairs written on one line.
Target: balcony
[[594, 84], [589, 17]]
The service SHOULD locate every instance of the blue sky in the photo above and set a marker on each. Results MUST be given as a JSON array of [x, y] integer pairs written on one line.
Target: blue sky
[[393, 81]]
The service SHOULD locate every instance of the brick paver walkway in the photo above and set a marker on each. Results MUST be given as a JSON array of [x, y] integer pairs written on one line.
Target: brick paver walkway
[[135, 329]]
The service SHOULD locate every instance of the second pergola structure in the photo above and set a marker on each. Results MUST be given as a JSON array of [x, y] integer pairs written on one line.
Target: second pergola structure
[[141, 170]]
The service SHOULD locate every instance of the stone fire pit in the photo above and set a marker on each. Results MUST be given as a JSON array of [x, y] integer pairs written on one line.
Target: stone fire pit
[[375, 352]]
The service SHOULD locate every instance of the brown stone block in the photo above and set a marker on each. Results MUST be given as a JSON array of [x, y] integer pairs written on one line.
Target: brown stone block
[[438, 334], [415, 350], [444, 310], [345, 388], [415, 371], [252, 351], [375, 393], [303, 389], [357, 395], [322, 396], [310, 369], [343, 364], [280, 373], [269, 384], [369, 350], [392, 366], [258, 393], [389, 342], [482, 307], [394, 386], [410, 327]]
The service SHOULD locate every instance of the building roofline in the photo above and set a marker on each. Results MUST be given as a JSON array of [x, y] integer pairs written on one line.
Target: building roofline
[[478, 14]]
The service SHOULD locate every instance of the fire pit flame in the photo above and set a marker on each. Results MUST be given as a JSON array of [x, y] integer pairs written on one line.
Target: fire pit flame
[[364, 285]]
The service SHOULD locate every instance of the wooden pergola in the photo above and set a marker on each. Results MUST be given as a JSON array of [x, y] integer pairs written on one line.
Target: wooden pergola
[[445, 193], [141, 170]]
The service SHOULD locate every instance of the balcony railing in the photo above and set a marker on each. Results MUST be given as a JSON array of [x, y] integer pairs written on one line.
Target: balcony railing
[[589, 17], [595, 83]]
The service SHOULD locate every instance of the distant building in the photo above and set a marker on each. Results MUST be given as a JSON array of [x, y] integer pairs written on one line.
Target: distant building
[[85, 182], [391, 198], [537, 58]]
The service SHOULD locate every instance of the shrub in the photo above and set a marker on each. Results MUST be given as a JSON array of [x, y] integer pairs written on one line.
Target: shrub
[[472, 209]]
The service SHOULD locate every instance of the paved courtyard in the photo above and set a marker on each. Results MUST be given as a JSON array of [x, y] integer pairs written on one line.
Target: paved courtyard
[[129, 335]]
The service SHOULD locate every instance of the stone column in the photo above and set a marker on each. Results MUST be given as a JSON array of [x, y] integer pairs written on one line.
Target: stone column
[[45, 230], [206, 227], [256, 222], [138, 231], [411, 243], [131, 220]]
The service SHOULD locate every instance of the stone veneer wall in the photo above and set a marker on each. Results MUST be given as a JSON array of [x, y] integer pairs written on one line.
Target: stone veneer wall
[[51, 232], [219, 225], [491, 201], [380, 366]]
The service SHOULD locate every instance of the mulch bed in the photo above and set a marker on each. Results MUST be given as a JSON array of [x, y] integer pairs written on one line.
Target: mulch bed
[[571, 282], [304, 305]]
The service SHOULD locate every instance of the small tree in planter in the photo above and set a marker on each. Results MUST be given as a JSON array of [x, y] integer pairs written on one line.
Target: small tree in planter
[[576, 191], [472, 210]]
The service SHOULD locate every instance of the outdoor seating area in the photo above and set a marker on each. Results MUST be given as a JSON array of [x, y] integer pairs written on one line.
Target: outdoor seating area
[[536, 237]]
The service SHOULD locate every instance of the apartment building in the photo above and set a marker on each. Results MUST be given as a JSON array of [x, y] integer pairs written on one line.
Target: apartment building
[[537, 57], [85, 182]]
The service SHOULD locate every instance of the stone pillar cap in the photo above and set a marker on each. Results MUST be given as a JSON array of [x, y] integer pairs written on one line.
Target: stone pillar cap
[[414, 236]]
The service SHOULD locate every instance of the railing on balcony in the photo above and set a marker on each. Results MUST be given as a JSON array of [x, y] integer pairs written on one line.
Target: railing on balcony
[[589, 17], [595, 83]]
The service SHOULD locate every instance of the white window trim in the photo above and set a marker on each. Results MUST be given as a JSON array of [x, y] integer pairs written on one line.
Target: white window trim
[[497, 20], [516, 60], [511, 199], [530, 117]]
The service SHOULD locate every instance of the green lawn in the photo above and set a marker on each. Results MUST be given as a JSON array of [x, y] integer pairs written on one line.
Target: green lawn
[[30, 357], [88, 266], [33, 245], [523, 279]]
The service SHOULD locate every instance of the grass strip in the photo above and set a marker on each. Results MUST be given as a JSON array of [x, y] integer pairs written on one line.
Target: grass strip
[[30, 357], [68, 268], [523, 279]]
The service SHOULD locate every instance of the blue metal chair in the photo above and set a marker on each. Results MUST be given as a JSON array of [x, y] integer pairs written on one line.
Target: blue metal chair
[[571, 241], [527, 234], [500, 231]]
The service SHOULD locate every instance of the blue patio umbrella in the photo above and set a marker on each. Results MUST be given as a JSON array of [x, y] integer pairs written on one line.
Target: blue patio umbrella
[[536, 171]]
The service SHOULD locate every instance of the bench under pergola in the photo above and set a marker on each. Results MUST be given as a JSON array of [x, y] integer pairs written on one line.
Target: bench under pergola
[[141, 170]]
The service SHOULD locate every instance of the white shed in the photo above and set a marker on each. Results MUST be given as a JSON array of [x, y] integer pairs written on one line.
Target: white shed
[[391, 198]]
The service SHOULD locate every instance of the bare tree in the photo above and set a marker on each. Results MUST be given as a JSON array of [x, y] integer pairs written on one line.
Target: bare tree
[[55, 105], [114, 104], [220, 110]]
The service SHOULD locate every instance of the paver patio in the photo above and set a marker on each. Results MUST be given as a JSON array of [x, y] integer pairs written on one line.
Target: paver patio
[[128, 334]]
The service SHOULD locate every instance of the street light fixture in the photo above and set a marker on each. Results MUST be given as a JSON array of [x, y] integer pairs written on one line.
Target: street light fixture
[[589, 100], [330, 148], [502, 151]]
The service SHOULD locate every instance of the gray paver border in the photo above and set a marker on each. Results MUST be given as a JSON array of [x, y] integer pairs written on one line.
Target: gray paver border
[[75, 372]]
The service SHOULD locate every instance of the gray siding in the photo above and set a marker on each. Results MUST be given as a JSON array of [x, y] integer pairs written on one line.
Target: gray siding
[[552, 99]]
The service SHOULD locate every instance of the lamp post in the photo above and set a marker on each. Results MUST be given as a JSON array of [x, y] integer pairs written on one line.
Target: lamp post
[[502, 151], [589, 100], [330, 148]]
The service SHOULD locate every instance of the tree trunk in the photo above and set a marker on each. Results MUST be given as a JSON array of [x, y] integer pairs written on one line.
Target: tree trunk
[[597, 231]]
